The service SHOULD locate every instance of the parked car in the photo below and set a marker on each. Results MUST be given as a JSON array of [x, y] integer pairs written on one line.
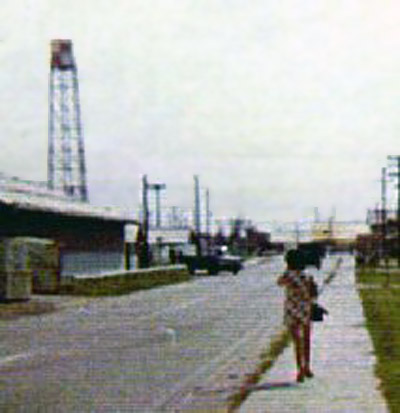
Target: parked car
[[212, 263]]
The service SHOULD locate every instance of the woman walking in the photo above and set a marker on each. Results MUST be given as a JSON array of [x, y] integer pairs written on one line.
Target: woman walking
[[297, 310]]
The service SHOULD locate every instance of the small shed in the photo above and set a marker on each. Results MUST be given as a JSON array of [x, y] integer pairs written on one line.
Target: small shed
[[166, 243]]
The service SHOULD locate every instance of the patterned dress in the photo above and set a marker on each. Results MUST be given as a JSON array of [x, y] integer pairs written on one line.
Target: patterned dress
[[297, 309]]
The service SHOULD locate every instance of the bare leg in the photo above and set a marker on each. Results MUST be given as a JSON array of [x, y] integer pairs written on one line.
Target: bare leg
[[307, 349], [295, 331]]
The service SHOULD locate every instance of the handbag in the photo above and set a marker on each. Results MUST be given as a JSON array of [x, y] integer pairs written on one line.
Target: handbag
[[318, 312]]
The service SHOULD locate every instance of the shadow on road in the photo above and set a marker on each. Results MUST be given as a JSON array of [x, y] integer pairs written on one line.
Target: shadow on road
[[272, 386]]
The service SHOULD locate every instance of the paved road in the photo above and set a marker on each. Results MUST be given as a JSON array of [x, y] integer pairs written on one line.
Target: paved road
[[160, 350]]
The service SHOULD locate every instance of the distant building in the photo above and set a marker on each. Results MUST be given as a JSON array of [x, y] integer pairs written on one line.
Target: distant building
[[90, 239], [337, 233], [164, 243], [384, 237]]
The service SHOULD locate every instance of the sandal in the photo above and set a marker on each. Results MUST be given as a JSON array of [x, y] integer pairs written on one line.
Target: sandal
[[300, 377], [308, 373]]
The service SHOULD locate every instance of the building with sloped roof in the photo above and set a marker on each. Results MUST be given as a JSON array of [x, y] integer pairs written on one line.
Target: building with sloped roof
[[90, 239]]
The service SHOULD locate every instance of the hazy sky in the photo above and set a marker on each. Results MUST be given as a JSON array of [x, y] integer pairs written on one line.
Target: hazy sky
[[279, 106]]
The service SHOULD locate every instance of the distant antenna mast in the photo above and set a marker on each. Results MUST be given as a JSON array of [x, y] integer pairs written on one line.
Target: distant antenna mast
[[331, 222], [316, 215], [66, 157]]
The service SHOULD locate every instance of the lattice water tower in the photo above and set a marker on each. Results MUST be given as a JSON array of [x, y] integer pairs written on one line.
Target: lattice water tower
[[66, 155]]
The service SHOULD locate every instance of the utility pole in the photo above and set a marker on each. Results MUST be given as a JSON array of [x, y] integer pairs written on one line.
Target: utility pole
[[144, 248], [157, 188], [174, 218], [397, 176], [331, 227], [383, 213], [208, 212], [197, 221], [297, 234]]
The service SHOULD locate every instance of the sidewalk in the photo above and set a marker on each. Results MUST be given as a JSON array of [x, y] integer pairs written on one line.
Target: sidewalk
[[342, 361]]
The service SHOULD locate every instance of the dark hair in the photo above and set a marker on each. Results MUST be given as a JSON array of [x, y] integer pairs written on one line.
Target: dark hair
[[295, 260]]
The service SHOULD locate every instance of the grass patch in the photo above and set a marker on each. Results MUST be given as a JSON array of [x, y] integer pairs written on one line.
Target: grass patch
[[13, 310], [97, 287], [124, 283], [268, 358], [378, 276], [382, 310]]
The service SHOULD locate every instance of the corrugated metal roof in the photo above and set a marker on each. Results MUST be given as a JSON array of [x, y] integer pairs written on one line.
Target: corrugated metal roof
[[31, 195]]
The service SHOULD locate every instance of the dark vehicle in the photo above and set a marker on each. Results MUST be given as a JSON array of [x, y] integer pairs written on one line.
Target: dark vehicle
[[212, 263]]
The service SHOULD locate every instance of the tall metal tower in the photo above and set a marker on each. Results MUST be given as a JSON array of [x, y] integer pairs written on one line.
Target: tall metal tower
[[66, 155]]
